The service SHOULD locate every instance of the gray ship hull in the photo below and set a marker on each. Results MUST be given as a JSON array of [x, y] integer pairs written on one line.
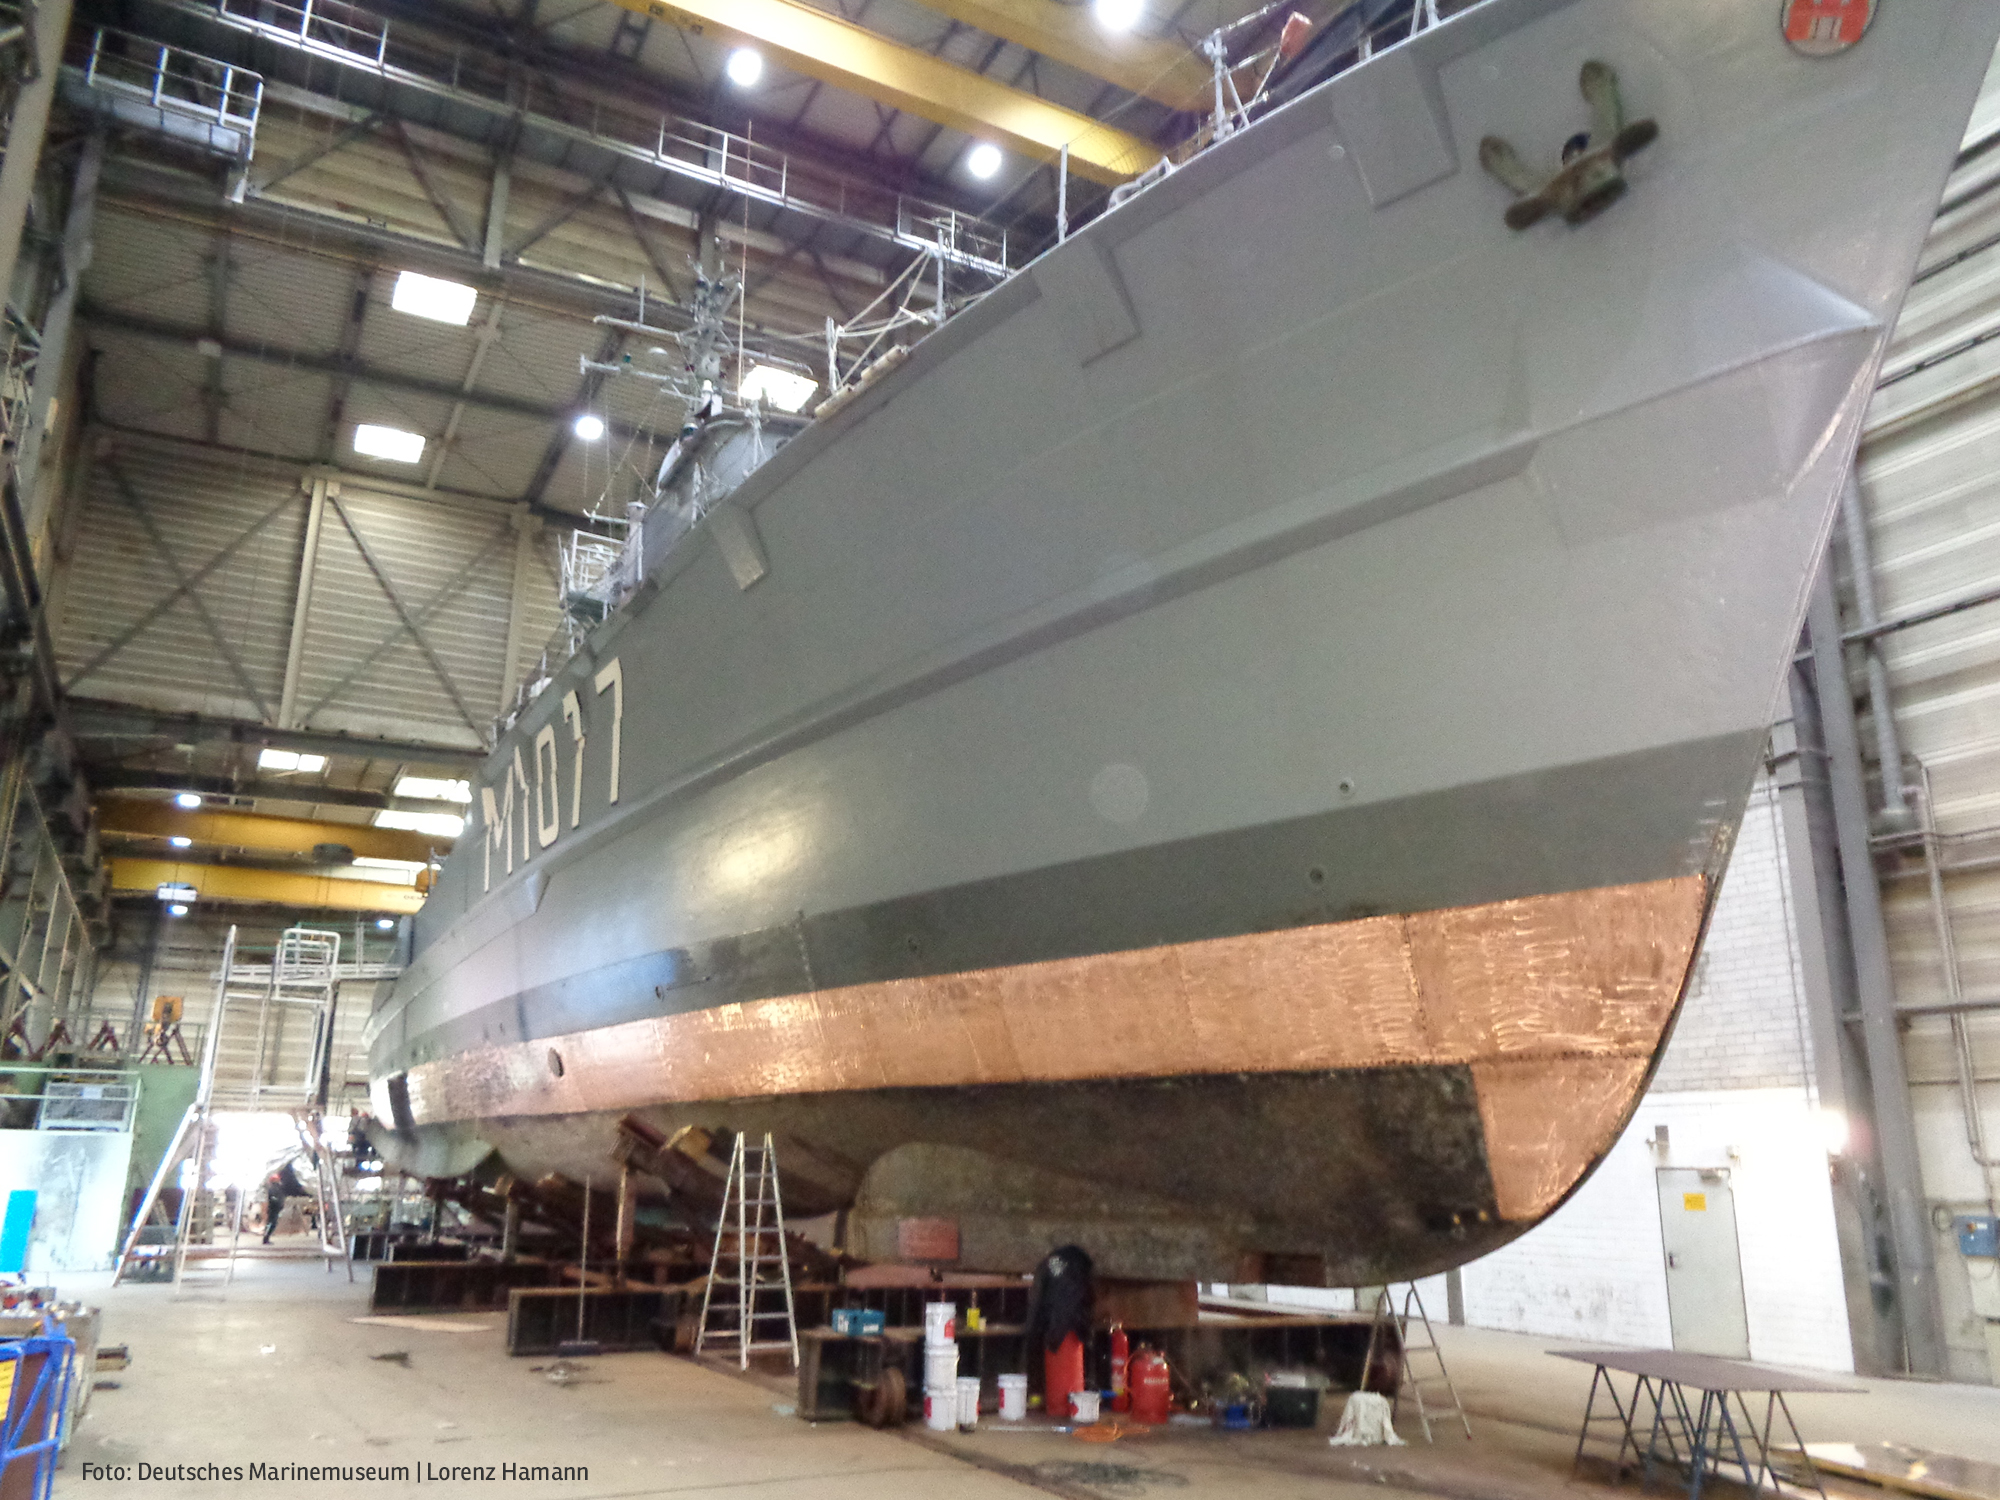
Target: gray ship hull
[[1226, 753]]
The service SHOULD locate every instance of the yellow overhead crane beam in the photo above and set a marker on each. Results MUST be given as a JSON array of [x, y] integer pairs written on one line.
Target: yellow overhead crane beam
[[848, 57], [142, 817], [281, 887], [1165, 71]]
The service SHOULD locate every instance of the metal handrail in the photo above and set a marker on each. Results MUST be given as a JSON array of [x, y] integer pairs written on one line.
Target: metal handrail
[[120, 1087], [689, 148], [175, 79]]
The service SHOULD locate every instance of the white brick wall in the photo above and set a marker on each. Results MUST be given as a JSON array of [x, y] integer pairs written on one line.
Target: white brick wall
[[1737, 1075], [1735, 1089], [1743, 1024], [1594, 1269]]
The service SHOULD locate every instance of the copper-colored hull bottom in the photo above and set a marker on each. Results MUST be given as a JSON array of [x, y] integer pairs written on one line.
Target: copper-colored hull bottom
[[1556, 1004]]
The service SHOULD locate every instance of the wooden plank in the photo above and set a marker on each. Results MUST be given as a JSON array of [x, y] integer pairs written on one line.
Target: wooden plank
[[1912, 1470]]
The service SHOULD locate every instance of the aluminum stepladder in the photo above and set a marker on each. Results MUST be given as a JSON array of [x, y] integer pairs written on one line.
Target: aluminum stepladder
[[1407, 1377], [194, 1137], [254, 1009], [333, 1238], [752, 1200]]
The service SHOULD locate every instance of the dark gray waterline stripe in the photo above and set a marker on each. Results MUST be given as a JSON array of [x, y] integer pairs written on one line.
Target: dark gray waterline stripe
[[1619, 821]]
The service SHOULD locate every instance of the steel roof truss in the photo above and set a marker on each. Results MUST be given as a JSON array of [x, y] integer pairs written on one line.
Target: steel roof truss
[[454, 219], [572, 205], [347, 136]]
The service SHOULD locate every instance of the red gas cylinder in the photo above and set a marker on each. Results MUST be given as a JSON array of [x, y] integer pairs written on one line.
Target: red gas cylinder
[[1062, 1372], [1121, 1359], [1152, 1394]]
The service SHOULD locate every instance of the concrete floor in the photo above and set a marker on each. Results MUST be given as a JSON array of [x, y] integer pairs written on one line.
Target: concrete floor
[[276, 1370]]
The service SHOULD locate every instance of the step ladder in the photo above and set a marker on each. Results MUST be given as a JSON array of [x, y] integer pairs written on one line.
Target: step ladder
[[333, 1238], [750, 1262], [193, 1147], [1410, 1378], [273, 1022]]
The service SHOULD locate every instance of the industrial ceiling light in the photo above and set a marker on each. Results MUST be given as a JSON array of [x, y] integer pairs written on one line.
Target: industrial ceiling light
[[745, 67], [983, 160], [384, 924], [588, 427], [434, 788], [441, 825], [187, 799], [441, 301], [181, 841], [178, 909], [787, 390], [392, 443], [1118, 15], [288, 760]]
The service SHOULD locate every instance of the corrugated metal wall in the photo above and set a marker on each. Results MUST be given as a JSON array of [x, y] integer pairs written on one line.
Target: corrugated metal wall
[[1930, 480], [183, 576], [155, 518], [411, 601]]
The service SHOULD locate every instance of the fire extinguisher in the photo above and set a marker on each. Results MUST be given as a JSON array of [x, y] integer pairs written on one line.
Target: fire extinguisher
[[1121, 1361], [1152, 1395]]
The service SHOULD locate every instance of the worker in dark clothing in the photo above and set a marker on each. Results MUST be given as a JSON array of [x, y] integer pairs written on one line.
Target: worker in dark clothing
[[280, 1185], [1059, 1306], [366, 1157]]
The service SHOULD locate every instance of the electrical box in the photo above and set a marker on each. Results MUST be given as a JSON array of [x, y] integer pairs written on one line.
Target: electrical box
[[1978, 1234]]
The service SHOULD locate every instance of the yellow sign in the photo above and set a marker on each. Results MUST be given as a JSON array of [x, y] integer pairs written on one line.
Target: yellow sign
[[1695, 1203]]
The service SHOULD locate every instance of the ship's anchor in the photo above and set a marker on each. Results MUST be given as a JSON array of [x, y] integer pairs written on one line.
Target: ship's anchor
[[1591, 179]]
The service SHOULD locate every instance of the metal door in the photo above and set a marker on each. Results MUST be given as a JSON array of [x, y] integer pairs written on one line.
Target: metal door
[[1704, 1271]]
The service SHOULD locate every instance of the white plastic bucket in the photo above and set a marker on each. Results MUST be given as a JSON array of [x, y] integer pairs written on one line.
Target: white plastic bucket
[[941, 1368], [1013, 1397], [1083, 1406], [940, 1323], [941, 1409], [968, 1402]]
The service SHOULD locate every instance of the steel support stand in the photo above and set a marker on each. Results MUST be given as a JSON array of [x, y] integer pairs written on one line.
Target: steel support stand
[[24, 133], [1895, 1129]]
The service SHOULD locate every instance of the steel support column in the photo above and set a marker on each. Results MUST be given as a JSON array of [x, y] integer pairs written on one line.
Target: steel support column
[[56, 324], [295, 651], [526, 531], [1840, 1072], [1895, 1130], [24, 133], [496, 206], [1895, 806]]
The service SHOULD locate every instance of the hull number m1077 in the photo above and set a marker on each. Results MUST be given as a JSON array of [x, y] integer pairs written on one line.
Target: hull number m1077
[[523, 806]]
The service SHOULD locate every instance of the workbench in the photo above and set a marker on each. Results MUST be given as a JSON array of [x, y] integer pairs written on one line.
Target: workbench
[[1684, 1400]]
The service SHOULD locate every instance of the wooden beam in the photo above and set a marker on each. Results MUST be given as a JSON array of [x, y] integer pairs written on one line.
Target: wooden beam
[[838, 52]]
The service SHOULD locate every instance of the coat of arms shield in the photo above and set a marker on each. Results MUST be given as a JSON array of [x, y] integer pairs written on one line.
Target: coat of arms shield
[[1820, 28]]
